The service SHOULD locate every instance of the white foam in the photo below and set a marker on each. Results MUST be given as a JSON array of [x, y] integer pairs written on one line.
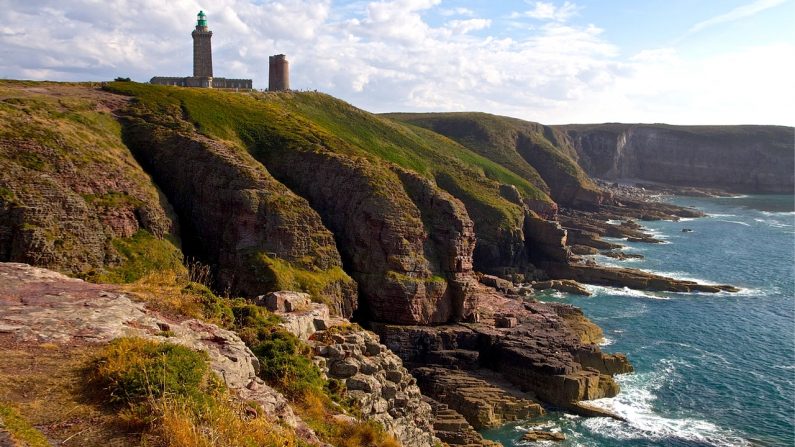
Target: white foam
[[606, 341], [625, 291], [683, 276], [774, 223], [635, 403], [721, 215], [734, 222]]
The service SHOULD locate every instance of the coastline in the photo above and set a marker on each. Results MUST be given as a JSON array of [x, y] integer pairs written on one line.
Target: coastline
[[655, 399]]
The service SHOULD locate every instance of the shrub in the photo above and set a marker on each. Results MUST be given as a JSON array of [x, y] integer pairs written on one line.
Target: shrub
[[132, 370], [285, 364]]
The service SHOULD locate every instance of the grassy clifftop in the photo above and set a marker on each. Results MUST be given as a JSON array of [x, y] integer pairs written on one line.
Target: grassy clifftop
[[536, 152], [72, 197], [302, 120]]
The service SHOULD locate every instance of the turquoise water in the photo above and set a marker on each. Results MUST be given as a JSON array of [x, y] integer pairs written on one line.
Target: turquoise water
[[710, 369]]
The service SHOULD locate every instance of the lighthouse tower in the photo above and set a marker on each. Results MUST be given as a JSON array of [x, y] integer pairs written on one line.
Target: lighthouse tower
[[202, 52]]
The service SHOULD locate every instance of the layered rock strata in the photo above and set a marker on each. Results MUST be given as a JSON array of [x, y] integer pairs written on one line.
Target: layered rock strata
[[382, 389], [234, 214], [70, 188], [405, 274], [540, 353], [755, 159]]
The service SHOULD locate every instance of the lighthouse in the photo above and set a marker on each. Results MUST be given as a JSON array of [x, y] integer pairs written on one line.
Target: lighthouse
[[202, 51]]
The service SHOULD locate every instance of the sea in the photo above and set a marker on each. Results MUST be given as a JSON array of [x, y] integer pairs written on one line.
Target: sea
[[710, 369]]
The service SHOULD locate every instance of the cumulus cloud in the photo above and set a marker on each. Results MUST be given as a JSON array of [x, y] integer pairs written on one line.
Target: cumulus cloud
[[388, 56], [548, 11], [465, 26]]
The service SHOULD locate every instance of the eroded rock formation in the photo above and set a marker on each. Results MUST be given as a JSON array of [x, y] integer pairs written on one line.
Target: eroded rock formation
[[234, 214], [756, 159]]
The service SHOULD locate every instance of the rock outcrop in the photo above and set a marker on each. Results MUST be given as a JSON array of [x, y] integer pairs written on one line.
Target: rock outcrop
[[70, 190], [382, 389], [235, 215], [382, 234], [751, 159], [42, 306], [541, 353]]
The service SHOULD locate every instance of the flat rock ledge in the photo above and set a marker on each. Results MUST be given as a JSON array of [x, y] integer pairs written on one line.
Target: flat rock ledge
[[41, 306]]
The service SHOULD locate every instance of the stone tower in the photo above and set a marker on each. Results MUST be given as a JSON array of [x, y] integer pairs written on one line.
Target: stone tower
[[278, 73], [202, 51]]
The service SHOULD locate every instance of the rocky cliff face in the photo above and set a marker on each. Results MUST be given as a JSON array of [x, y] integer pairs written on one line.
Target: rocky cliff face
[[751, 159], [539, 153], [235, 215], [404, 275], [72, 197]]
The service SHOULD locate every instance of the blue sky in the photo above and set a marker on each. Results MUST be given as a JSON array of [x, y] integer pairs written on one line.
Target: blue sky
[[675, 61]]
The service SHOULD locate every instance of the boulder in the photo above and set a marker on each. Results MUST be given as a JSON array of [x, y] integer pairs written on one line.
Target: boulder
[[285, 301], [538, 435]]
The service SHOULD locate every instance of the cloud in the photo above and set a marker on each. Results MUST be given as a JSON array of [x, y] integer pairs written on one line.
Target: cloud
[[737, 13], [465, 26], [386, 56], [548, 11], [465, 12]]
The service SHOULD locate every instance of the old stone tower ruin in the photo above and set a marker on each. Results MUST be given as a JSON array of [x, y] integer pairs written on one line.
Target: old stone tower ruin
[[202, 64], [278, 73]]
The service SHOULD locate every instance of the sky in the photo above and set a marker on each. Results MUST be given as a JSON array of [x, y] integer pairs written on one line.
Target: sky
[[556, 62]]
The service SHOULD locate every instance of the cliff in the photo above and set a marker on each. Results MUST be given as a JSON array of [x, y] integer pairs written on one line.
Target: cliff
[[745, 159], [391, 221], [539, 153], [72, 196]]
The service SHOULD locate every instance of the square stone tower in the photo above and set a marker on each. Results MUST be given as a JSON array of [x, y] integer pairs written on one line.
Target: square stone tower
[[202, 50], [278, 73]]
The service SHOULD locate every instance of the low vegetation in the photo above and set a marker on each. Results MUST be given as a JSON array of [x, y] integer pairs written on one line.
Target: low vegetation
[[266, 123], [169, 393], [536, 152], [19, 430], [285, 361]]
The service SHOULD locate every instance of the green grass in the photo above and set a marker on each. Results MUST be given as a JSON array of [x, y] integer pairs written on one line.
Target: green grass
[[283, 275], [141, 254], [313, 121], [132, 370], [532, 151], [19, 429], [7, 195], [169, 395]]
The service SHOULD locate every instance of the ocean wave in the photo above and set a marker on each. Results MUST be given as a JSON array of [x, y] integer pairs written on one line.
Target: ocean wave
[[636, 405], [778, 213], [775, 223], [606, 341], [734, 222], [625, 291], [721, 215], [683, 276]]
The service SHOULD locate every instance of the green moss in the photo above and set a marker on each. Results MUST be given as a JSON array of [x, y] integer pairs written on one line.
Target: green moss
[[283, 275], [7, 195], [143, 253], [112, 200], [19, 429]]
